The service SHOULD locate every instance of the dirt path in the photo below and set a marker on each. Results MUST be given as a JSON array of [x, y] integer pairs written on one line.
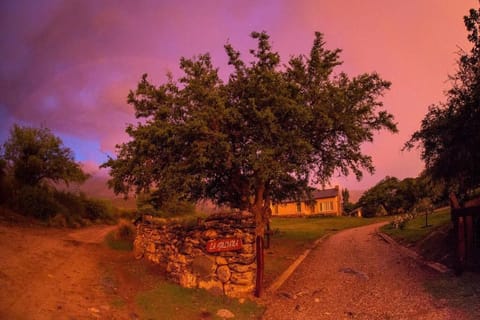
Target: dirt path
[[354, 274], [53, 274]]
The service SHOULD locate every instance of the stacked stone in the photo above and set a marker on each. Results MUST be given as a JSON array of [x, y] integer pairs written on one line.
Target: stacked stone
[[183, 250]]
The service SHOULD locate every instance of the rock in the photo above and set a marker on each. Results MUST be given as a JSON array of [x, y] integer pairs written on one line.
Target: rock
[[288, 295], [213, 286], [242, 258], [138, 250], [93, 310], [210, 234], [220, 260], [248, 248], [225, 314], [299, 308], [203, 266], [242, 278], [223, 273], [238, 291], [188, 280], [241, 267], [151, 247]]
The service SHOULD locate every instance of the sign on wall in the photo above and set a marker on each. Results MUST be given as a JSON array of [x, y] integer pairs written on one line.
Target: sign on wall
[[226, 244]]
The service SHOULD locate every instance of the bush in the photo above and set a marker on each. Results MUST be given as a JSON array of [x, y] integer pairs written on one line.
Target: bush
[[38, 202], [96, 209], [125, 231]]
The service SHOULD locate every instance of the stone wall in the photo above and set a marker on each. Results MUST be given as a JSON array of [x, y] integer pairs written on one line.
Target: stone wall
[[183, 249]]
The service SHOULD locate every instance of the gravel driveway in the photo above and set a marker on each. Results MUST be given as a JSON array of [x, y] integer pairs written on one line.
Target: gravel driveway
[[355, 274]]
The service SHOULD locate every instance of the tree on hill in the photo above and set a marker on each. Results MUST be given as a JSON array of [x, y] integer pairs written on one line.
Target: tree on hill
[[261, 137], [394, 195], [449, 137], [346, 204], [34, 155]]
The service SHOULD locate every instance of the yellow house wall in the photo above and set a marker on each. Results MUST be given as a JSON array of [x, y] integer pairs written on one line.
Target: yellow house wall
[[290, 208]]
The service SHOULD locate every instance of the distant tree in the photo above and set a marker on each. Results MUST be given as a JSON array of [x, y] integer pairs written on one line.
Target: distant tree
[[35, 155], [346, 204], [449, 137], [261, 137], [382, 195], [394, 195]]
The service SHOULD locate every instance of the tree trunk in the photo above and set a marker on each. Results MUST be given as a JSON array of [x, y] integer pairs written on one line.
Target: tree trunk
[[260, 266], [260, 210], [259, 245]]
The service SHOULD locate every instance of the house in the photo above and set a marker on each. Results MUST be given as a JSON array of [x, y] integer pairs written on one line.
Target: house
[[323, 202]]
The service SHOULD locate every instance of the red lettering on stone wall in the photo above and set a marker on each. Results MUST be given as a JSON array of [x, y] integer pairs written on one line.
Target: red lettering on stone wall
[[226, 244]]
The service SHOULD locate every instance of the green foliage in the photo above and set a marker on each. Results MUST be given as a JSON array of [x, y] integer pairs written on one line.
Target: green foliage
[[396, 196], [263, 135], [346, 204], [36, 201], [414, 229], [96, 209], [154, 204], [122, 237], [450, 132], [34, 155]]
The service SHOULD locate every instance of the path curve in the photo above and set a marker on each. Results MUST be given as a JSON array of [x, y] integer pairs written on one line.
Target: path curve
[[53, 274], [355, 274]]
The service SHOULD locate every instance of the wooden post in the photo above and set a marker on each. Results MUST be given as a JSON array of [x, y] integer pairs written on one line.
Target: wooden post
[[469, 239], [260, 267], [459, 229]]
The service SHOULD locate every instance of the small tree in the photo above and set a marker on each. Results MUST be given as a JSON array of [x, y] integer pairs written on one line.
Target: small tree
[[259, 138], [35, 155], [424, 206], [346, 204]]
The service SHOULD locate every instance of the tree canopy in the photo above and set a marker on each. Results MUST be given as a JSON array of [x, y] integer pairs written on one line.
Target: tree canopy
[[264, 135], [35, 155], [449, 136], [392, 194]]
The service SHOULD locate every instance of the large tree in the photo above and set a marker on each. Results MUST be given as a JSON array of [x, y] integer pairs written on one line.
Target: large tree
[[449, 137], [36, 155], [264, 135]]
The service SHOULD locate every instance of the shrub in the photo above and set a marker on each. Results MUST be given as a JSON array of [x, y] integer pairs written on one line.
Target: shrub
[[125, 231], [38, 202], [96, 209]]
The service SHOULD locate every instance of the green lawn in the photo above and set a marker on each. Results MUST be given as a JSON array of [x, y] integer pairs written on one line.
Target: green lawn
[[292, 236], [170, 301], [415, 229]]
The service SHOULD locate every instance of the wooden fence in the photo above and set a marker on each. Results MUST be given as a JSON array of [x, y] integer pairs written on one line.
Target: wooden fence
[[466, 223]]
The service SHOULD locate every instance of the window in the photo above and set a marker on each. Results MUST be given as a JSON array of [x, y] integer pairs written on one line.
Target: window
[[326, 206]]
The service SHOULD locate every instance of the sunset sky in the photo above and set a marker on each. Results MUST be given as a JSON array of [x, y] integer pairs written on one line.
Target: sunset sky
[[68, 65]]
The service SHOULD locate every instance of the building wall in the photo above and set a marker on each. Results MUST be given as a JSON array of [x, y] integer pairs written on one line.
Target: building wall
[[328, 206]]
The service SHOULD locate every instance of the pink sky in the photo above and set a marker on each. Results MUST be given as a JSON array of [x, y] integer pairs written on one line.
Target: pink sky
[[69, 64]]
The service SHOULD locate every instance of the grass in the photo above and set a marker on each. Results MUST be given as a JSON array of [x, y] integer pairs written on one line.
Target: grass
[[458, 292], [118, 244], [170, 301], [415, 229], [292, 236]]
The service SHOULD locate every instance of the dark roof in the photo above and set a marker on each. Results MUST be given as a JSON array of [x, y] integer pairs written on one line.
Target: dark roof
[[326, 193], [319, 194]]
